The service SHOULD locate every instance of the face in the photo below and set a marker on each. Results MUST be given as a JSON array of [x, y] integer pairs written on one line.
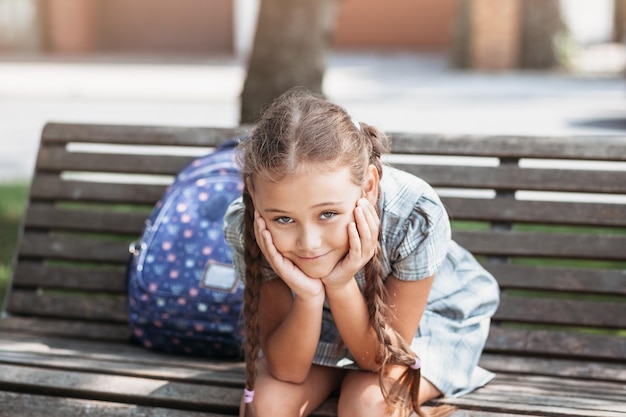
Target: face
[[308, 214]]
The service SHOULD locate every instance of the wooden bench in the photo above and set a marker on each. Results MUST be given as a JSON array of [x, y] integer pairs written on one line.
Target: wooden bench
[[557, 343]]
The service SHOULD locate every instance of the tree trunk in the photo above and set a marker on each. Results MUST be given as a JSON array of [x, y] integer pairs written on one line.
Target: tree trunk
[[290, 46], [542, 23], [619, 20], [460, 55]]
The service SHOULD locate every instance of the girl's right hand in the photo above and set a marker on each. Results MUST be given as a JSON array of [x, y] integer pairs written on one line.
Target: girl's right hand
[[300, 283]]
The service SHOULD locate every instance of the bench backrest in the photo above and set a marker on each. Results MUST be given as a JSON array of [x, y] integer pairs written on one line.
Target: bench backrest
[[546, 215]]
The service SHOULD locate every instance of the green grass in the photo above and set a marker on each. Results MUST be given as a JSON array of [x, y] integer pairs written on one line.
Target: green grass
[[12, 203]]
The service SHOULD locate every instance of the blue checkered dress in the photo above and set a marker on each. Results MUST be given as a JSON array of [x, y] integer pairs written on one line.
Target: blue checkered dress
[[454, 327]]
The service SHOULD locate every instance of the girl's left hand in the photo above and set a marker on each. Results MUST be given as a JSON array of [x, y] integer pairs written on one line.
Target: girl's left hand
[[363, 239]]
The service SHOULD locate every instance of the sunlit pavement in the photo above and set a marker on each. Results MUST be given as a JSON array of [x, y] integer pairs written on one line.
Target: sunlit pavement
[[395, 91]]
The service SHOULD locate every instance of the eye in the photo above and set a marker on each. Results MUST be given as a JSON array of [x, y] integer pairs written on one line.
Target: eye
[[327, 215], [283, 220]]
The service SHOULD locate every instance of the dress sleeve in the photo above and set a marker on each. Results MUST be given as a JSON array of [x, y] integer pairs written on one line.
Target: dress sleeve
[[233, 233], [422, 241]]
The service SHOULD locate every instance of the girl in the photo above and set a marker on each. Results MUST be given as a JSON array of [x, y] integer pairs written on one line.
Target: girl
[[350, 273]]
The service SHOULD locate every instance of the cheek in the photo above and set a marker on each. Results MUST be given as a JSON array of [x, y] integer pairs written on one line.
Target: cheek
[[338, 235], [281, 239]]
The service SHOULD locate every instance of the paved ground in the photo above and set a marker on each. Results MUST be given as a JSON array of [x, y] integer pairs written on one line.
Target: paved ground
[[396, 91]]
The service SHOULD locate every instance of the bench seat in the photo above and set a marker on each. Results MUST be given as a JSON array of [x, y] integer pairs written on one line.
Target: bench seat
[[546, 215]]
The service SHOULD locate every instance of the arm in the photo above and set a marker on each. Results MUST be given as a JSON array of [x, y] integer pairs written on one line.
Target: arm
[[290, 330], [290, 311], [407, 302]]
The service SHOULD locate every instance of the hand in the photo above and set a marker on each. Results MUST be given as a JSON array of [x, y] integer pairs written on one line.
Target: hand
[[363, 239], [300, 283]]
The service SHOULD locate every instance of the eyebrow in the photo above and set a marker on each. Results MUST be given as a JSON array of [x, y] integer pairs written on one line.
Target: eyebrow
[[319, 205]]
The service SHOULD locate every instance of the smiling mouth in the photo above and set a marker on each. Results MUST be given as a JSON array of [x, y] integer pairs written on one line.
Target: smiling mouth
[[312, 258]]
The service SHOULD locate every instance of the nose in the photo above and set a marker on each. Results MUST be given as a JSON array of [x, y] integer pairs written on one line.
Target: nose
[[309, 238]]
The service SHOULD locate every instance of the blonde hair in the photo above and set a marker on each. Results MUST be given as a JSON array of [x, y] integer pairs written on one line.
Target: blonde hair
[[301, 128]]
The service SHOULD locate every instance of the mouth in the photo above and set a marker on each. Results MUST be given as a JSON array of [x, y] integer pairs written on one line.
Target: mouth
[[312, 258]]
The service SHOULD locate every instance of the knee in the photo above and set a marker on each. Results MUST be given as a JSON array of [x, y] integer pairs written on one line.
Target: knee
[[368, 402], [266, 405]]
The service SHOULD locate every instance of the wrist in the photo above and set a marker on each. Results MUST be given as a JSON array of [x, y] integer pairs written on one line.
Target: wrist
[[311, 300], [340, 288]]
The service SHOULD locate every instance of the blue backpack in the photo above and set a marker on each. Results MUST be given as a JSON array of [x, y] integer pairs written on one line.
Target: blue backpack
[[183, 296]]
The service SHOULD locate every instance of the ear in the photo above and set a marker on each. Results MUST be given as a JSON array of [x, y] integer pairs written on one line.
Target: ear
[[370, 188]]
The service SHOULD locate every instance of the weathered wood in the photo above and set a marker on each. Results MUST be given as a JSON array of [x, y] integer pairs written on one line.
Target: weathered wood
[[52, 188], [61, 133], [544, 245], [557, 342], [586, 281], [566, 368], [55, 159], [608, 148], [108, 308], [562, 312], [44, 216], [82, 330], [514, 178], [547, 396], [32, 274], [73, 248], [33, 405], [539, 212]]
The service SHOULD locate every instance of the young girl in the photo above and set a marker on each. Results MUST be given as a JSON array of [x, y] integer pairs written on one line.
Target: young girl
[[352, 282]]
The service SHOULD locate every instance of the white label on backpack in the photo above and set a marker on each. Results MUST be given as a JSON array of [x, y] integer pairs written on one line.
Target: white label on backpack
[[220, 277]]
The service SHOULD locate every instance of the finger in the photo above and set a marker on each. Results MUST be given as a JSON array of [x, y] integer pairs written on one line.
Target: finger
[[369, 211], [362, 224], [354, 240]]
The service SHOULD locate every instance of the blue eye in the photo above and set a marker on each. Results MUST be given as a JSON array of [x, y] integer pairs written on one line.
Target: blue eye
[[328, 215], [283, 220]]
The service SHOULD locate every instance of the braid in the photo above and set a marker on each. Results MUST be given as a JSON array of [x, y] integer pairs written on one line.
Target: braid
[[253, 259], [403, 394]]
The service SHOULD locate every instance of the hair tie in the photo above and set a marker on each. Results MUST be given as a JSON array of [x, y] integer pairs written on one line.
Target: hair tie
[[417, 364], [356, 123], [248, 395]]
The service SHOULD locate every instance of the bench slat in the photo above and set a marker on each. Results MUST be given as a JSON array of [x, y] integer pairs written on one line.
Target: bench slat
[[510, 210], [544, 396], [588, 281], [101, 308], [82, 330], [604, 147], [514, 178], [32, 274], [576, 369], [562, 245], [44, 216], [562, 312], [136, 390], [62, 133], [52, 188], [32, 405], [556, 343], [59, 159], [73, 248]]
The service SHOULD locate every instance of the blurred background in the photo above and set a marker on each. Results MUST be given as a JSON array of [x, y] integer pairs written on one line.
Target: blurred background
[[513, 67]]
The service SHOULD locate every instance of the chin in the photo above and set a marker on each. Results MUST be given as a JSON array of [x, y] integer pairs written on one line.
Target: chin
[[316, 272]]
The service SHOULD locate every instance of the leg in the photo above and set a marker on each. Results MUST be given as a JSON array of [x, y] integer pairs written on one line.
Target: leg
[[276, 398], [361, 394]]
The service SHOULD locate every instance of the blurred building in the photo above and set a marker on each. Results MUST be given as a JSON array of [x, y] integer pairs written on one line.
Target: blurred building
[[200, 26], [227, 26]]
